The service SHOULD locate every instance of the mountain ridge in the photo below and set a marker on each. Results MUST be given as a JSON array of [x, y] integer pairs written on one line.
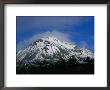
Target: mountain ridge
[[52, 49]]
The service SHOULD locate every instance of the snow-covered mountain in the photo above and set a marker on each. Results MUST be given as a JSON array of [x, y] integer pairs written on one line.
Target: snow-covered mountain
[[51, 49]]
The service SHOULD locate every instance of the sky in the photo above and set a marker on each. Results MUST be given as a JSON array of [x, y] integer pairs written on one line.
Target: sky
[[75, 29]]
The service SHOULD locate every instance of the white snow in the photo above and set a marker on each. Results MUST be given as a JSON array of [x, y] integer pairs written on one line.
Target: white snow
[[51, 48]]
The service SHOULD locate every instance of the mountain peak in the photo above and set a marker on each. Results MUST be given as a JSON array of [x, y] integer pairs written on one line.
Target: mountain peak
[[52, 49]]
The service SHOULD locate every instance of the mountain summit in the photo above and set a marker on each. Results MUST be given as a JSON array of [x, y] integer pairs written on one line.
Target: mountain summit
[[51, 49]]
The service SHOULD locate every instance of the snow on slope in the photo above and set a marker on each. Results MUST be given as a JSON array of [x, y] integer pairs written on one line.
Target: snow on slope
[[51, 49]]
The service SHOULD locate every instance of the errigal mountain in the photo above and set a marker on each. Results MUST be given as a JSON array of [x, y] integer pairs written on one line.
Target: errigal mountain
[[51, 55]]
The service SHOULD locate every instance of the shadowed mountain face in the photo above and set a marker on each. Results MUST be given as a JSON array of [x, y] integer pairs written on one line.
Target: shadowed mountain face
[[50, 55]]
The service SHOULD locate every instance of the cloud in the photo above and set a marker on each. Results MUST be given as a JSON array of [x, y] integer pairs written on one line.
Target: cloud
[[61, 36], [83, 44], [58, 26]]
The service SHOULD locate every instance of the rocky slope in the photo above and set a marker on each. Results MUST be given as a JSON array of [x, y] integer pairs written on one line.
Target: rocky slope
[[51, 49]]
